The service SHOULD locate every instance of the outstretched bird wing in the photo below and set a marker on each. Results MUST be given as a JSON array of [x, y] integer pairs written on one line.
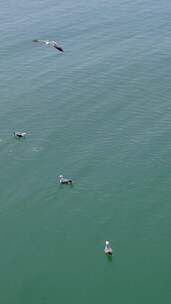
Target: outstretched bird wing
[[40, 41], [58, 48]]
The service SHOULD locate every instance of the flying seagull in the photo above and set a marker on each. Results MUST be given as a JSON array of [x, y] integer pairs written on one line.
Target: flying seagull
[[52, 43]]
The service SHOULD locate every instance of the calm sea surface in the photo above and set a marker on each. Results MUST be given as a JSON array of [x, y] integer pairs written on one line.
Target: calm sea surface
[[101, 114]]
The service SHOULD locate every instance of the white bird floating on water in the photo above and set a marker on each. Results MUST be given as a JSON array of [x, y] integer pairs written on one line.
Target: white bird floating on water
[[51, 43], [19, 134], [108, 249], [63, 180]]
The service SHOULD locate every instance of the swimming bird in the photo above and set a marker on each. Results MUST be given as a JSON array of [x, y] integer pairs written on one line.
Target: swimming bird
[[63, 180], [108, 249], [51, 43], [19, 134]]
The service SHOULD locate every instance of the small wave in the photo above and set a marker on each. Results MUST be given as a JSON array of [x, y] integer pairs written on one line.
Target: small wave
[[36, 149]]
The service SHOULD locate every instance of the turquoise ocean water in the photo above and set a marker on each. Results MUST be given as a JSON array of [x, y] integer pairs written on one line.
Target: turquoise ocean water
[[99, 113]]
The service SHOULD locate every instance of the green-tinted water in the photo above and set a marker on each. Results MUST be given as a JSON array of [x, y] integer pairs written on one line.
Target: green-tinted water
[[99, 113]]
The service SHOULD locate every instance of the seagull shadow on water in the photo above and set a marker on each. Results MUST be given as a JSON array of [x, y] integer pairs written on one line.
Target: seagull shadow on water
[[109, 258], [63, 186]]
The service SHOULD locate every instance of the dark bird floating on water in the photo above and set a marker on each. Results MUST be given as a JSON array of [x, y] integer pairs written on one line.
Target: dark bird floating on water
[[19, 134], [52, 43], [63, 180]]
